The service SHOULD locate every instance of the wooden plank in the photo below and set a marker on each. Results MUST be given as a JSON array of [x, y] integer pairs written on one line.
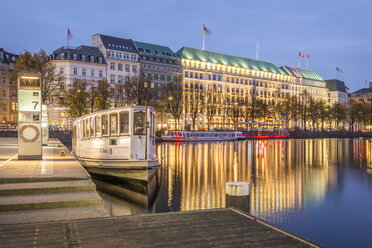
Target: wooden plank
[[208, 228]]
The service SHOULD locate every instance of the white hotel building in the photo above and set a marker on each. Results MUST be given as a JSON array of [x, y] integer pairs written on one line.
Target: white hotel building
[[121, 56], [83, 62]]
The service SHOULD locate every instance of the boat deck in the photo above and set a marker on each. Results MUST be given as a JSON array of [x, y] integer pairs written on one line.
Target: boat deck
[[208, 228]]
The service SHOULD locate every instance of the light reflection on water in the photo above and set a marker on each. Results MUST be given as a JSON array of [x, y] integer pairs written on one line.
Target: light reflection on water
[[320, 189]]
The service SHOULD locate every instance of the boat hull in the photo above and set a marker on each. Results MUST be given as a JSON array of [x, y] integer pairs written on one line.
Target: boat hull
[[170, 139], [119, 163]]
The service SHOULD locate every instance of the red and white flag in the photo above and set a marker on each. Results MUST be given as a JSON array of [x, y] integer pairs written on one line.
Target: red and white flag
[[308, 57], [68, 33], [301, 55]]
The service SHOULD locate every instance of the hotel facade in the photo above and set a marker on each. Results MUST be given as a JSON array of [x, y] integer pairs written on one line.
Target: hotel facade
[[232, 79]]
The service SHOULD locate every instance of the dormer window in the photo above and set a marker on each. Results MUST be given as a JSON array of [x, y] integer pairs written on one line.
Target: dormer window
[[100, 60], [62, 55], [83, 57], [74, 56], [91, 59]]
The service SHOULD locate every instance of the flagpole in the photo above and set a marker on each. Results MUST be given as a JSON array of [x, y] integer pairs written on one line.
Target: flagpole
[[257, 49], [298, 62], [67, 38], [203, 36], [307, 64]]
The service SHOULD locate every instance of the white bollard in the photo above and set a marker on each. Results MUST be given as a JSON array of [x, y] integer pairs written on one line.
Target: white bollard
[[237, 195]]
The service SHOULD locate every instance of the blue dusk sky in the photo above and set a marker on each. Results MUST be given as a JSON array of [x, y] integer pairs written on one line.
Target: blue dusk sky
[[334, 33]]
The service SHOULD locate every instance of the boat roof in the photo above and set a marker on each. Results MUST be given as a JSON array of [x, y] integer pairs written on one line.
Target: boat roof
[[117, 109]]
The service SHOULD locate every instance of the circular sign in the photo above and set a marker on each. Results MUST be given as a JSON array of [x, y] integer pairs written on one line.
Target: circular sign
[[29, 133]]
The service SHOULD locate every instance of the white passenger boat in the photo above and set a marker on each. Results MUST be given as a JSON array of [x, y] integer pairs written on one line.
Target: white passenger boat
[[195, 136], [116, 139]]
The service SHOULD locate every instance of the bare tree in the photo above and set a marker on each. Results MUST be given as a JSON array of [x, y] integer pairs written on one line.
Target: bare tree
[[174, 98], [76, 98], [103, 95], [195, 104], [210, 107], [38, 63]]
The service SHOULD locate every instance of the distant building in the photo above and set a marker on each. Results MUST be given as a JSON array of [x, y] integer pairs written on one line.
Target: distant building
[[121, 56], [337, 91], [310, 81], [362, 95], [158, 61], [8, 89], [83, 62]]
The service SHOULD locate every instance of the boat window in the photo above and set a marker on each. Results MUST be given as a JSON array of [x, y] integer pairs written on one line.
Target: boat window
[[104, 125], [139, 123], [91, 119], [98, 125], [114, 123], [87, 127], [84, 128], [124, 122]]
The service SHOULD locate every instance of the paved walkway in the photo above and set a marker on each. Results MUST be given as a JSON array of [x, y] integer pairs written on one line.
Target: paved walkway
[[52, 189], [52, 166], [208, 228]]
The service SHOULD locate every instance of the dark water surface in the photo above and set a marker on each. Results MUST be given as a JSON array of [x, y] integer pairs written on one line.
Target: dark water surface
[[320, 189]]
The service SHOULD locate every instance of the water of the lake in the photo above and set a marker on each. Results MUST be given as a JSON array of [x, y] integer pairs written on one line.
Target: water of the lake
[[320, 189]]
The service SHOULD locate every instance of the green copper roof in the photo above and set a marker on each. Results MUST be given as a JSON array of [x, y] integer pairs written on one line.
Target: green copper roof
[[302, 73], [154, 50], [225, 59]]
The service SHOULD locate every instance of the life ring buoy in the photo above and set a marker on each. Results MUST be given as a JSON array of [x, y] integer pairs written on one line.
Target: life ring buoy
[[23, 128], [44, 131]]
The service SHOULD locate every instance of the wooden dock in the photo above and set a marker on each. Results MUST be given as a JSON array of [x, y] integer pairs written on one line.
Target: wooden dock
[[208, 228]]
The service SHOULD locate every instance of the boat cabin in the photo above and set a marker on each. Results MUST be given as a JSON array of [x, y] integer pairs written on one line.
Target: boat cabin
[[115, 134]]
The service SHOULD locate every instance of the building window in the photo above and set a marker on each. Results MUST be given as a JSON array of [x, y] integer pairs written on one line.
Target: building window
[[4, 107], [156, 76], [162, 77], [126, 79], [112, 78], [62, 55], [219, 77], [112, 66], [201, 76], [135, 57], [100, 73], [74, 56], [169, 78], [4, 80], [132, 57], [186, 74], [127, 68], [214, 77], [84, 72], [120, 79], [83, 57], [92, 73], [4, 93], [100, 60], [191, 75], [134, 68], [91, 59], [120, 66], [61, 70], [75, 71]]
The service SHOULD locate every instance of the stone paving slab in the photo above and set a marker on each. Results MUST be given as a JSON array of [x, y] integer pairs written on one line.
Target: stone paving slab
[[51, 215], [208, 228], [53, 165]]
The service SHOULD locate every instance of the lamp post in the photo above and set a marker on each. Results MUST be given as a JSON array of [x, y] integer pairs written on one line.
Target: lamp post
[[92, 99], [146, 124]]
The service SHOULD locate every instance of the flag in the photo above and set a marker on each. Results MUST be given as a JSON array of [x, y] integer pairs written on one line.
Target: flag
[[308, 57], [68, 33], [339, 69], [205, 30], [301, 55]]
